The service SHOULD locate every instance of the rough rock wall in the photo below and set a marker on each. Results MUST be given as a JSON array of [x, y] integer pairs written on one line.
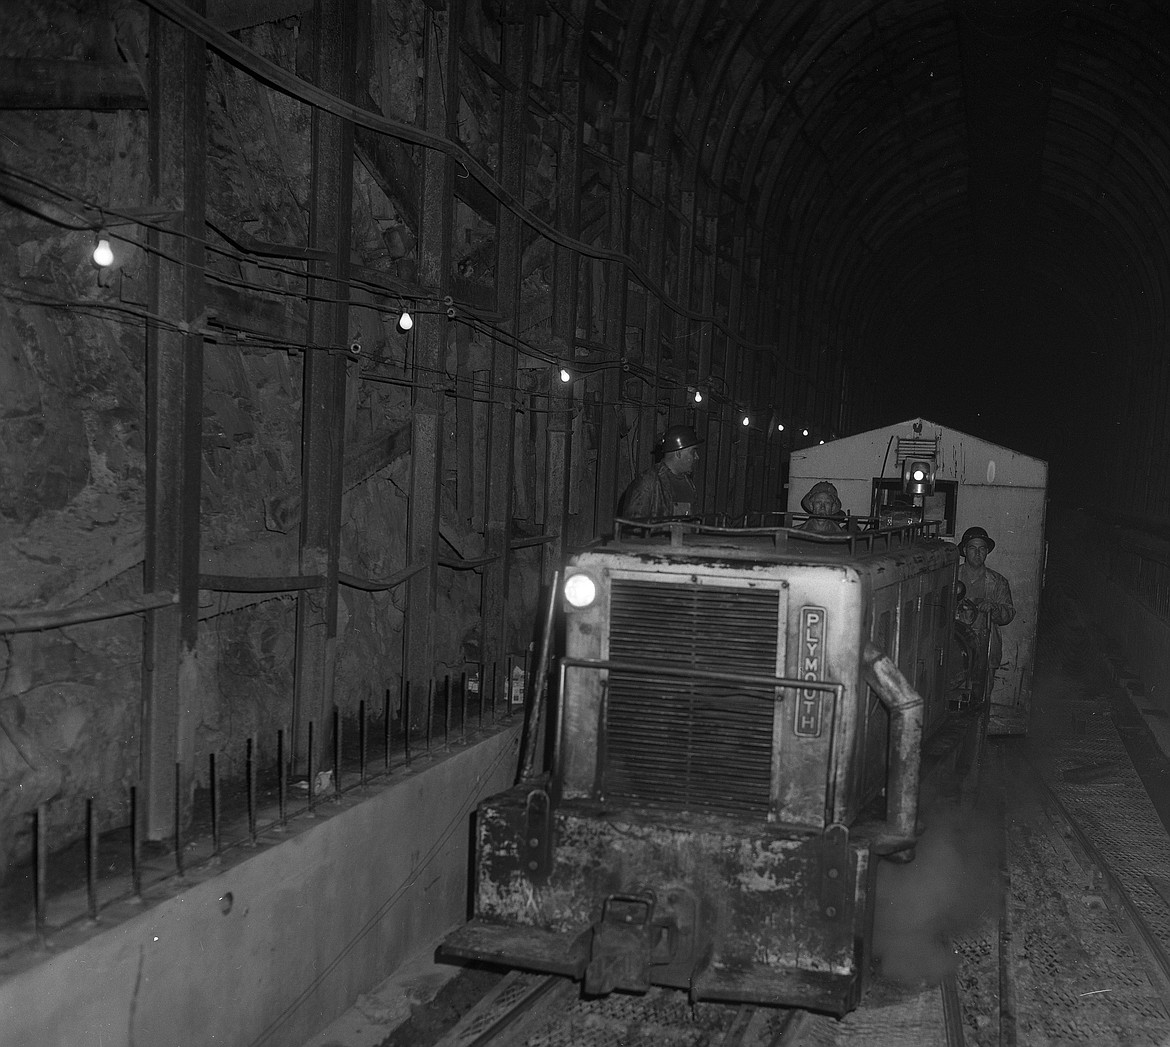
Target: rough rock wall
[[72, 418]]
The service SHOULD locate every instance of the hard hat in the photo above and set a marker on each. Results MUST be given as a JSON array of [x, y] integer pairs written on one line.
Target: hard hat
[[822, 487], [976, 532], [678, 437]]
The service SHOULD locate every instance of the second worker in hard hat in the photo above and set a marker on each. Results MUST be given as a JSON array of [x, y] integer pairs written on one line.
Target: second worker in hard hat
[[666, 488], [987, 602]]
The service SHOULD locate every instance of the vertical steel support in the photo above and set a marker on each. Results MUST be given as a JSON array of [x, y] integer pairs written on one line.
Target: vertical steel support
[[174, 409], [323, 388], [686, 332], [615, 301], [440, 110], [650, 427], [516, 60], [566, 264], [703, 267], [743, 362]]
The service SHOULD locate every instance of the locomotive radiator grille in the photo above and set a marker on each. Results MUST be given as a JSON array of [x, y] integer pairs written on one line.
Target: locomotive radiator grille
[[693, 744]]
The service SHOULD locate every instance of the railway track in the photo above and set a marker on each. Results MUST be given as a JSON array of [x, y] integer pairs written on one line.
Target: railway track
[[1077, 955], [529, 1010], [1082, 953]]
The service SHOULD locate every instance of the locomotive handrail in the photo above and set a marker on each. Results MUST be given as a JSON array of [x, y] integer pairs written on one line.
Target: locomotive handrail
[[866, 530], [684, 673]]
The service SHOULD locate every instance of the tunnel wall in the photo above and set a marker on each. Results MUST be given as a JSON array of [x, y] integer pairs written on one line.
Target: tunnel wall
[[313, 922], [1134, 630]]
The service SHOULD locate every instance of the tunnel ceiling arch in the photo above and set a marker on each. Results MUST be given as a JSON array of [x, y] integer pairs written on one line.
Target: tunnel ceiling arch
[[981, 169]]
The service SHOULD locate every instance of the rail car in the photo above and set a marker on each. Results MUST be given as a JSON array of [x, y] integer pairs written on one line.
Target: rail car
[[737, 735]]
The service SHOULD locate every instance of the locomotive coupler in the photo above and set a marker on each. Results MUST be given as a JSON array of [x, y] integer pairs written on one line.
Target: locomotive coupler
[[619, 957], [636, 933]]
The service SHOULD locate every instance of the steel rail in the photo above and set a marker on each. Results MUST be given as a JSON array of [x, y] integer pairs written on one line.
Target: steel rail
[[1133, 919], [503, 1017]]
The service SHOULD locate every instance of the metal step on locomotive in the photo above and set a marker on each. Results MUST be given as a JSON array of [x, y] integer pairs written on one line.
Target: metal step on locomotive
[[735, 736]]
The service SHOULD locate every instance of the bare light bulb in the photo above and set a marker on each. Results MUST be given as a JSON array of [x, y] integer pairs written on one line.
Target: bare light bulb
[[565, 375], [779, 427], [804, 432], [405, 322], [102, 254], [746, 420], [698, 396]]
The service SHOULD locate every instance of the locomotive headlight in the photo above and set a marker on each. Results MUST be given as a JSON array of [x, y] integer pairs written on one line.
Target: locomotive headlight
[[918, 476], [580, 590]]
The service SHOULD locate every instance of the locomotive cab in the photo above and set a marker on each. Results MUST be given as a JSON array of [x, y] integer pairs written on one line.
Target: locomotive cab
[[739, 722]]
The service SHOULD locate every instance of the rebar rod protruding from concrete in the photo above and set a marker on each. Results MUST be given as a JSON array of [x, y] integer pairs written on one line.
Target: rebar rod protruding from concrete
[[41, 873], [91, 858], [281, 779], [250, 774], [135, 844]]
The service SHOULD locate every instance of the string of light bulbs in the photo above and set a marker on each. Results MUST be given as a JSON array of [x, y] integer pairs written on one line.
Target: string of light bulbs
[[103, 257]]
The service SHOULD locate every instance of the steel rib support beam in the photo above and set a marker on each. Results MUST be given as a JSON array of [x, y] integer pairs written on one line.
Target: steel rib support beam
[[323, 387], [174, 422], [440, 108], [516, 59], [566, 278]]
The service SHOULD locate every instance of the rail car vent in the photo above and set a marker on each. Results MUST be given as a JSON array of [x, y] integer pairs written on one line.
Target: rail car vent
[[691, 744]]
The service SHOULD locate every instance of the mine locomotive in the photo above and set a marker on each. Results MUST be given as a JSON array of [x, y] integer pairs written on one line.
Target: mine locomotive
[[736, 731]]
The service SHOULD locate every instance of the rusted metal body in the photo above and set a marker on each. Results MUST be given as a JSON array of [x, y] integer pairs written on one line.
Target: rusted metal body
[[740, 721]]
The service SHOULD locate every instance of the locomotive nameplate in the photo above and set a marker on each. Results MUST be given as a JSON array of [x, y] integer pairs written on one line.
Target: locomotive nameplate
[[809, 717]]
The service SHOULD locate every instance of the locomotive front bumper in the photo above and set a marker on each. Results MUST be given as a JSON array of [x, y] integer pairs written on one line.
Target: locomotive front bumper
[[727, 908]]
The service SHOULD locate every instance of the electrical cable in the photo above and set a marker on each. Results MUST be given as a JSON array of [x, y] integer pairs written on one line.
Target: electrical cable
[[449, 388], [268, 72], [495, 333], [104, 214], [101, 216], [587, 368]]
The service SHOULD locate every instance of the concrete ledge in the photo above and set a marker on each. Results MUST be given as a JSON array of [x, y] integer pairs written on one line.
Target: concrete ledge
[[273, 948]]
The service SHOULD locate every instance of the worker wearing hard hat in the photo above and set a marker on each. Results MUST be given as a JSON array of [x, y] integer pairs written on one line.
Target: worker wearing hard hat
[[987, 603], [666, 488], [823, 505]]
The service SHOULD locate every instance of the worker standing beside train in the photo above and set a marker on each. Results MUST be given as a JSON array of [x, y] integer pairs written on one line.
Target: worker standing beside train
[[666, 488], [987, 603]]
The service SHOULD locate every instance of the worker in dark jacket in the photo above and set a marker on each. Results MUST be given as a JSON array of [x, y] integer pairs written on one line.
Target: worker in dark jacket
[[987, 602], [666, 488]]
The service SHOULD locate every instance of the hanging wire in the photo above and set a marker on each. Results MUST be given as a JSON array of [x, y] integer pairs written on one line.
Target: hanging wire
[[97, 216]]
